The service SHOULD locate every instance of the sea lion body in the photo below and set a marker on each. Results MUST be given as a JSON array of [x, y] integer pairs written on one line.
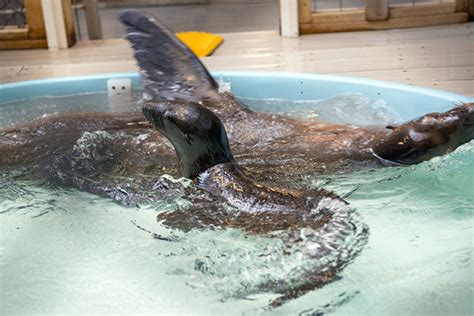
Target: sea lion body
[[54, 135], [268, 146], [257, 139], [238, 201]]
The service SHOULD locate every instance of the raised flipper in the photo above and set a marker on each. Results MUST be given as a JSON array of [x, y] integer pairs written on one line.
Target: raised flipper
[[431, 135], [169, 70]]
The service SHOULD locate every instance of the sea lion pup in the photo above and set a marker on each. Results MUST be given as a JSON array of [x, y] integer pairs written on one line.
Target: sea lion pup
[[316, 224], [269, 146], [170, 71]]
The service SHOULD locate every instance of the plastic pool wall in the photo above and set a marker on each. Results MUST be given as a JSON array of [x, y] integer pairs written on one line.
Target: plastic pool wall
[[409, 101]]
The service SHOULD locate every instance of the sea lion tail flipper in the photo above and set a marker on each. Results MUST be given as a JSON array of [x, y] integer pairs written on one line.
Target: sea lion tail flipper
[[169, 69]]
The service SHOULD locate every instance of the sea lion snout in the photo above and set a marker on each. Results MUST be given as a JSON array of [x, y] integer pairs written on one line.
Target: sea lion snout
[[189, 117], [431, 135], [448, 122], [154, 113], [196, 133]]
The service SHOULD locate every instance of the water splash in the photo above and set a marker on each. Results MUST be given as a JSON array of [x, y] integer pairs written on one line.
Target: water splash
[[345, 108], [224, 86], [25, 110]]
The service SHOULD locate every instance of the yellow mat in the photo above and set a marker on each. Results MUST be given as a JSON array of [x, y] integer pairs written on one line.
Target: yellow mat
[[202, 44]]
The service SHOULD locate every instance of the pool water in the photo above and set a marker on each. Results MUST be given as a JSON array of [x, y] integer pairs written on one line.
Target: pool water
[[65, 251], [25, 110], [344, 108], [347, 108]]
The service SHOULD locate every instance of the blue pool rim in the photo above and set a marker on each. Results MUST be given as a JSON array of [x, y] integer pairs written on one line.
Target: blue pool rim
[[410, 100]]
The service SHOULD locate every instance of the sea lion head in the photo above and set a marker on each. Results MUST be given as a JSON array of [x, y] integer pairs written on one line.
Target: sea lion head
[[453, 127], [433, 134], [197, 134]]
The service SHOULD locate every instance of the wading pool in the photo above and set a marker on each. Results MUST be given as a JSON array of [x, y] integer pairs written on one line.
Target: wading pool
[[68, 252]]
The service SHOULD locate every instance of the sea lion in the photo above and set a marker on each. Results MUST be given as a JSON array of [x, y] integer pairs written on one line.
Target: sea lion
[[304, 146], [271, 147], [204, 156]]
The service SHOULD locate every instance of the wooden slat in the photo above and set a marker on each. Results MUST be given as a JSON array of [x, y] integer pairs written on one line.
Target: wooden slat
[[297, 63], [26, 43], [35, 35], [34, 18], [94, 27], [304, 11], [9, 72], [141, 3], [361, 25], [13, 33], [465, 87], [397, 12], [69, 22], [338, 16], [376, 10], [270, 42], [422, 10], [470, 9], [461, 5], [65, 70]]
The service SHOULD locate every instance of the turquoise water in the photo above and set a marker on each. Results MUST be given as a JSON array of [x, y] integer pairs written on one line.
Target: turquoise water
[[344, 108], [68, 252], [24, 110], [349, 108]]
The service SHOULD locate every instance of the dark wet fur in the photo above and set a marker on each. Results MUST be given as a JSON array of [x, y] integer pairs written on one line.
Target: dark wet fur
[[268, 146], [155, 47], [431, 135], [236, 201], [111, 162]]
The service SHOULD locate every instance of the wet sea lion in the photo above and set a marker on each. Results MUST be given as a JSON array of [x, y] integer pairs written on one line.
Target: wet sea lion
[[260, 140], [204, 156], [316, 222], [269, 146]]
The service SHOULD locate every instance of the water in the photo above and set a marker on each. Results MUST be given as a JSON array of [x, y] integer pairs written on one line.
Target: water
[[346, 108], [64, 251], [24, 110]]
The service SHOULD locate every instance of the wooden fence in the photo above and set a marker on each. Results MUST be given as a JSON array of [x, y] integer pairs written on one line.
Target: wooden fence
[[33, 35], [377, 15]]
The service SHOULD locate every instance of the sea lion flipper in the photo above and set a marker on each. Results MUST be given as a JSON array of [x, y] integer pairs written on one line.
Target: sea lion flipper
[[169, 69]]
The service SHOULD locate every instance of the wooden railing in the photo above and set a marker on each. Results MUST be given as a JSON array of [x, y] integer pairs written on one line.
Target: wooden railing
[[377, 15], [34, 34]]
